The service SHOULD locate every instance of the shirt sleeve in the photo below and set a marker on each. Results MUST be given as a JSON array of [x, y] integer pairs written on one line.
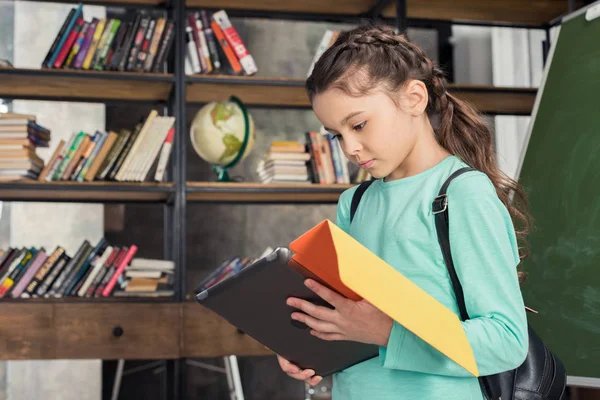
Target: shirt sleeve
[[485, 255]]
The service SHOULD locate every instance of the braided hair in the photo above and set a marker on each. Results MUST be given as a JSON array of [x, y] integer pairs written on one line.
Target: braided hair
[[375, 56]]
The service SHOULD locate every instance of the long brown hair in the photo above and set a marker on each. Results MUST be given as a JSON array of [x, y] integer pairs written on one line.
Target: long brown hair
[[390, 59]]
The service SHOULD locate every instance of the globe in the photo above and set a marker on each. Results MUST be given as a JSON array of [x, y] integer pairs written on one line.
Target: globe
[[222, 134]]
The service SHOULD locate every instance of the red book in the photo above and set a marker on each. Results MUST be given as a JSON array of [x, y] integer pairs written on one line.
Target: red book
[[120, 268], [235, 42], [60, 59]]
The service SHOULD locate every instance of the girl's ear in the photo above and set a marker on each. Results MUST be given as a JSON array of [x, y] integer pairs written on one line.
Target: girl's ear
[[415, 97]]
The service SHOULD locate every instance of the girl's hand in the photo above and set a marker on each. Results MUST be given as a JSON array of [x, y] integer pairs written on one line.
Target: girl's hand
[[306, 375], [357, 321]]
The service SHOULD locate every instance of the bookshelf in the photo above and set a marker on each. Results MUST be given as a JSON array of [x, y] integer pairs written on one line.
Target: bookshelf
[[177, 327]]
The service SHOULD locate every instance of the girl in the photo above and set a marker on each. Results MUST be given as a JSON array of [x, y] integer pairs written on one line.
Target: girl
[[389, 107]]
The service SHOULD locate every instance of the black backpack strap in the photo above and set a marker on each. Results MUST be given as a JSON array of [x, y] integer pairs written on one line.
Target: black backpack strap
[[440, 211], [489, 385], [358, 193]]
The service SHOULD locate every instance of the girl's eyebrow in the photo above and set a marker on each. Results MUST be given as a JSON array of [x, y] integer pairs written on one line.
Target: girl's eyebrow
[[352, 114], [346, 118]]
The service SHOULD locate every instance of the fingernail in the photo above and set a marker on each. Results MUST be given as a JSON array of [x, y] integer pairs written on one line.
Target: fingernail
[[290, 302], [294, 316], [317, 380], [308, 283]]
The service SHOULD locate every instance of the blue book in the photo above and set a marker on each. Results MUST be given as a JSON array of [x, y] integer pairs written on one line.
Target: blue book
[[78, 13]]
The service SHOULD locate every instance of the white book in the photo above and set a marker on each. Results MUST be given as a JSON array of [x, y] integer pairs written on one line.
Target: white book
[[323, 46]]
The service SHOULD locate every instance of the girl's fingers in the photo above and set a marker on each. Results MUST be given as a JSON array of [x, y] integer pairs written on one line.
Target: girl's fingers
[[303, 375], [293, 370], [316, 324], [287, 366], [314, 381], [320, 312]]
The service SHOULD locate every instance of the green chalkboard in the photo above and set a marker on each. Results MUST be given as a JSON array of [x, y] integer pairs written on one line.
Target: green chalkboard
[[561, 174]]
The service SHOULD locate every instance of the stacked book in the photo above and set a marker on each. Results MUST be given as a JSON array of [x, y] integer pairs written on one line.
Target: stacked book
[[137, 154], [141, 44], [285, 162], [146, 277], [20, 135], [215, 47], [92, 271]]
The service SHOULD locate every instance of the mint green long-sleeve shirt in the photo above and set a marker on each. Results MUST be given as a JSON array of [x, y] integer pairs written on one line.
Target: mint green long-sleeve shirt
[[395, 221]]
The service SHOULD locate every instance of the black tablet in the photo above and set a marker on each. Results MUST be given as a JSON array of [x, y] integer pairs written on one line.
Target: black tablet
[[254, 301]]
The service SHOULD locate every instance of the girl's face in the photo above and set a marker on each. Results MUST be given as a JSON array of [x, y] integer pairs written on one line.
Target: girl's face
[[374, 132]]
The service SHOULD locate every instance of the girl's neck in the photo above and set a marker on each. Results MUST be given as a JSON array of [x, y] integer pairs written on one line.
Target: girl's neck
[[425, 154]]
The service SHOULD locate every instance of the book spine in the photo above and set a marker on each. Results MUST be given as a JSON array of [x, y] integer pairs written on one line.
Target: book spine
[[99, 288], [116, 44], [76, 15], [95, 253], [77, 45], [165, 47], [193, 25], [9, 280], [28, 275], [61, 33], [47, 283], [105, 44], [227, 51], [116, 153], [43, 272], [96, 268], [204, 52], [120, 268], [153, 51], [164, 156], [131, 35], [92, 157], [143, 52], [137, 43], [211, 41], [236, 43], [123, 40], [85, 46], [192, 51], [89, 57], [68, 43]]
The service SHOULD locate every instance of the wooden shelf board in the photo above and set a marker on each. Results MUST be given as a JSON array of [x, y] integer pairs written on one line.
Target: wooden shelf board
[[497, 100], [256, 91], [87, 300], [69, 191], [75, 85], [533, 12], [127, 3], [263, 193], [278, 92], [205, 334]]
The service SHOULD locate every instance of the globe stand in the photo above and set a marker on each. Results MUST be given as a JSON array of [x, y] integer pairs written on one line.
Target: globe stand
[[222, 170]]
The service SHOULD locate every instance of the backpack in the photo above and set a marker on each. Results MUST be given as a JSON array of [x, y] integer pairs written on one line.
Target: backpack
[[542, 376]]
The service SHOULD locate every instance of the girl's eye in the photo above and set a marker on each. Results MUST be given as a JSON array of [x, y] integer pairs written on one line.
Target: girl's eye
[[359, 126]]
